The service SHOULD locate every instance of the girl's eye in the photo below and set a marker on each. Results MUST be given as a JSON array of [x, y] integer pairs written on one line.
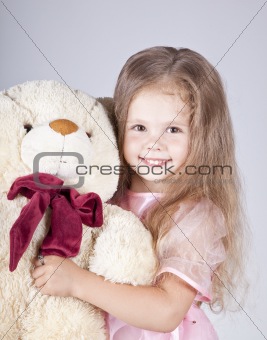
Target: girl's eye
[[173, 129], [139, 128]]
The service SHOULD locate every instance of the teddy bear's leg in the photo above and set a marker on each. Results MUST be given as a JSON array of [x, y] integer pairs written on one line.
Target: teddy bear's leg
[[13, 293], [57, 318], [13, 286]]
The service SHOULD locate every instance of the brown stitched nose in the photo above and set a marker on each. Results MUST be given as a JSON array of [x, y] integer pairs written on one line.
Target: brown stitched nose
[[63, 126]]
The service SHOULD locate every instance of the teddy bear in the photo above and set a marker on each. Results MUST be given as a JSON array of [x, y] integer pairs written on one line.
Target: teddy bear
[[65, 138]]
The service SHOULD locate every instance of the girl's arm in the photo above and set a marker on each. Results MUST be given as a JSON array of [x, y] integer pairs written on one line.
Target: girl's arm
[[158, 308]]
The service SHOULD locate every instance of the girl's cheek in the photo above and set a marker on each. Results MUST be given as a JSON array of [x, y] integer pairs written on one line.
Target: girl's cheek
[[178, 142], [132, 138]]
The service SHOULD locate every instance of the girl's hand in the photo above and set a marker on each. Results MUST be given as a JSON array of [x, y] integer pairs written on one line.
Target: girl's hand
[[58, 276]]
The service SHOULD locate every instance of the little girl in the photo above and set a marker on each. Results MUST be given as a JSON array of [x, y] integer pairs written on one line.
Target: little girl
[[175, 136]]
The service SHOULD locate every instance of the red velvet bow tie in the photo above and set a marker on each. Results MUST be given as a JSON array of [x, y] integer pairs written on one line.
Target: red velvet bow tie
[[69, 211]]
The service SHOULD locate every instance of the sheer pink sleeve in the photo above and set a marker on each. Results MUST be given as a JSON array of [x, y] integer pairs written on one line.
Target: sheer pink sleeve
[[193, 247]]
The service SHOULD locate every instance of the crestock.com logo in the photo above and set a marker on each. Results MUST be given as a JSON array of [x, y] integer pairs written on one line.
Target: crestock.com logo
[[82, 169], [36, 168]]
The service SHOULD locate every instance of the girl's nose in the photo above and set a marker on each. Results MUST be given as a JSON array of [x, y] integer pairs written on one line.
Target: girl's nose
[[155, 144], [154, 147], [154, 140]]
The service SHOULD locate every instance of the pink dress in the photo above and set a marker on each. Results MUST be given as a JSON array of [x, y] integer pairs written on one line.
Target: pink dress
[[191, 250]]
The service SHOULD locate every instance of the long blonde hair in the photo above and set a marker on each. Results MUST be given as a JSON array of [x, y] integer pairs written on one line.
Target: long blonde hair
[[211, 145]]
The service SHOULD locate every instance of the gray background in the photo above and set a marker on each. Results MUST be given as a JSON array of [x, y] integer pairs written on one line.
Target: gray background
[[85, 43]]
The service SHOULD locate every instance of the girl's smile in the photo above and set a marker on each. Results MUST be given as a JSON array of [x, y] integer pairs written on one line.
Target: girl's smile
[[156, 137], [153, 162]]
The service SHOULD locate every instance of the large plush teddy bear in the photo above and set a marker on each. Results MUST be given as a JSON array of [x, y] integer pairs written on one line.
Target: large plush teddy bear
[[64, 137]]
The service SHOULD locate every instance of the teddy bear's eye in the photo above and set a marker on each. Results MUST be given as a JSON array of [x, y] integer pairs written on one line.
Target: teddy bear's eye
[[28, 127], [88, 134]]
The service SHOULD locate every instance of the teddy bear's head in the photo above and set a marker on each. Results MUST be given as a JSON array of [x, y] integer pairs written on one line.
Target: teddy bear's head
[[59, 148], [48, 127], [66, 139]]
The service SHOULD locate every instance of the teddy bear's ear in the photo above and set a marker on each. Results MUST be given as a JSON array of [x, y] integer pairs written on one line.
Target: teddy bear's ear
[[109, 106]]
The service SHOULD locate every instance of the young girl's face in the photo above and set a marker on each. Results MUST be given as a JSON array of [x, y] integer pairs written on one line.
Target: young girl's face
[[156, 138]]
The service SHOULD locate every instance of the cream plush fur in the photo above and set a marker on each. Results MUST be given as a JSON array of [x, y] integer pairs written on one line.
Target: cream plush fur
[[121, 250]]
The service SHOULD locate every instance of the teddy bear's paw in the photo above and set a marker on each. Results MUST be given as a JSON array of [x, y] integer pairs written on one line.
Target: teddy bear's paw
[[123, 252], [10, 325], [13, 301], [9, 332], [56, 318]]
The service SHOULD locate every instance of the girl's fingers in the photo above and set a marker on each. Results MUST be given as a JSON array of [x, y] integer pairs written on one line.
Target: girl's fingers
[[48, 259], [36, 263], [39, 282], [38, 272]]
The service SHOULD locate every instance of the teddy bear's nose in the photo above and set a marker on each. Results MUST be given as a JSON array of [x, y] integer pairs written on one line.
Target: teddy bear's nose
[[63, 126]]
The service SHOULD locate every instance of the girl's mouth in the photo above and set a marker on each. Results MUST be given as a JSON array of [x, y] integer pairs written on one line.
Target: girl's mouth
[[153, 162]]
